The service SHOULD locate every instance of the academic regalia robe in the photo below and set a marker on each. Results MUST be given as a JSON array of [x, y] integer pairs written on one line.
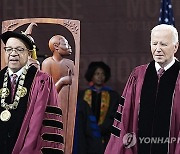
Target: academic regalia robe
[[87, 136], [127, 116], [99, 105], [39, 128]]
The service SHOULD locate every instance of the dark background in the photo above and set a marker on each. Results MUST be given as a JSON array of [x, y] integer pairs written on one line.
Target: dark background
[[114, 31]]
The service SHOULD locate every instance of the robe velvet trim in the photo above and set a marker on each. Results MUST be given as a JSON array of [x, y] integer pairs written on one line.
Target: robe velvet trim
[[155, 108], [12, 127], [129, 122], [51, 151], [116, 131], [52, 138], [53, 110], [52, 123], [42, 95], [118, 115]]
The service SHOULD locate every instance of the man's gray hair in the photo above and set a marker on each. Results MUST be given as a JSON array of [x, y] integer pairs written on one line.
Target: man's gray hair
[[167, 27]]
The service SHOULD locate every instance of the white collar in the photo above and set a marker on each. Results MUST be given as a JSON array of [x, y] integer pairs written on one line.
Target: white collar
[[157, 66], [18, 73]]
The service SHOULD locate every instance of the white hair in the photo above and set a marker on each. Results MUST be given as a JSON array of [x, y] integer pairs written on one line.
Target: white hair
[[167, 27]]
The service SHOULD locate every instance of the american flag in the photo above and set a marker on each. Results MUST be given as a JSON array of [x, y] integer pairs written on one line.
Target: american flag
[[166, 13]]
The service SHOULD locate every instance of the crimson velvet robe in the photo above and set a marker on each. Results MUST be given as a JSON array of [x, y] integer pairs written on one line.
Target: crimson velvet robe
[[41, 127], [126, 120]]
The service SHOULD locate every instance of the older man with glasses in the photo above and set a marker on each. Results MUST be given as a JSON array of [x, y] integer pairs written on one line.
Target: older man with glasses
[[30, 120], [148, 118]]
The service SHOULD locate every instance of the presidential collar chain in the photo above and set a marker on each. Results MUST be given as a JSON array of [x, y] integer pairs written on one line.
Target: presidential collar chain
[[21, 92]]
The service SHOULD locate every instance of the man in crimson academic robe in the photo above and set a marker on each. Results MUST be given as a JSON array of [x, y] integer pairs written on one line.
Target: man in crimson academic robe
[[30, 120], [148, 118]]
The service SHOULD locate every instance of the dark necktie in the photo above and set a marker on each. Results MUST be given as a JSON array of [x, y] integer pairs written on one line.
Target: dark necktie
[[13, 84], [160, 72]]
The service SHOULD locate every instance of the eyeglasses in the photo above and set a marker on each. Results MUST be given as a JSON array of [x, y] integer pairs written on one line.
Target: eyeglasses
[[19, 50]]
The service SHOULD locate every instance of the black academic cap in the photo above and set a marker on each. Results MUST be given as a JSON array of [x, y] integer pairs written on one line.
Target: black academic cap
[[5, 36]]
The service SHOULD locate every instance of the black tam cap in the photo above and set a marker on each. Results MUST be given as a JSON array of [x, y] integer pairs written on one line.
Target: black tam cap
[[5, 36]]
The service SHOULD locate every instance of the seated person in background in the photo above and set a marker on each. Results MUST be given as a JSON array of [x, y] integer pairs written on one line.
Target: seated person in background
[[101, 100]]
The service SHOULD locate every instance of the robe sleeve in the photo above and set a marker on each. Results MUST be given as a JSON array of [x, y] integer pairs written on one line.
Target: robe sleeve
[[44, 133], [122, 119], [106, 125], [177, 147]]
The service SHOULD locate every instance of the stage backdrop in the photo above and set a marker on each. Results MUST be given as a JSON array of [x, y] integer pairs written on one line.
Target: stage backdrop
[[114, 31]]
